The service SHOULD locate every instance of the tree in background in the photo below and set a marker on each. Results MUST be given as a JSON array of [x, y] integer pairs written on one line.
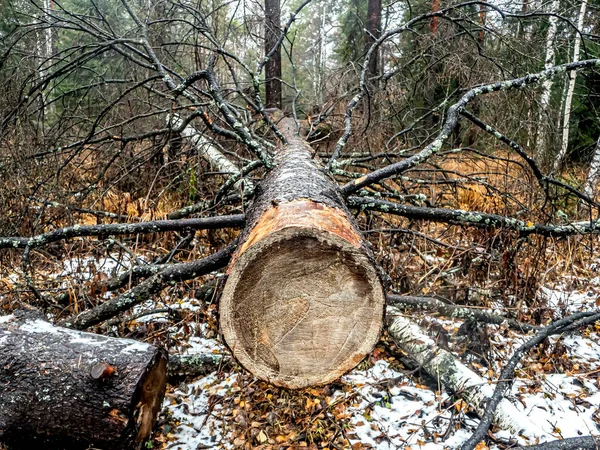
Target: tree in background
[[273, 53]]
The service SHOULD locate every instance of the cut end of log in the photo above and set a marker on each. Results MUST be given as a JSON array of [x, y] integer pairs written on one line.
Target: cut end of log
[[151, 392], [303, 303], [63, 388]]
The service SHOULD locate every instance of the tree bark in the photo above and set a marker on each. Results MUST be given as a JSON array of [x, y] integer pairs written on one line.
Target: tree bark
[[373, 33], [303, 302], [273, 66], [571, 89], [62, 388], [542, 140], [435, 21], [209, 151], [454, 375]]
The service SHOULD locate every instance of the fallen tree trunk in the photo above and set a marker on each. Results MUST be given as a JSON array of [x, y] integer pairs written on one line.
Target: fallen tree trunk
[[303, 302], [454, 375], [62, 388]]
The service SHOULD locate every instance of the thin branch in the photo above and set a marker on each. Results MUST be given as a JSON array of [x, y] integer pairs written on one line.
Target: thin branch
[[456, 312], [508, 373]]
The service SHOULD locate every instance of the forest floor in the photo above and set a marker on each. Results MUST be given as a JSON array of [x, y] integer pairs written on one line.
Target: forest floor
[[384, 403], [379, 405]]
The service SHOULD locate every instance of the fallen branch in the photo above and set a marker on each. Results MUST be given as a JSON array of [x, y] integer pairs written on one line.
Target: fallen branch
[[208, 150], [453, 374], [543, 180], [473, 218], [457, 312], [452, 117], [508, 373], [143, 291], [156, 226], [196, 365], [584, 443]]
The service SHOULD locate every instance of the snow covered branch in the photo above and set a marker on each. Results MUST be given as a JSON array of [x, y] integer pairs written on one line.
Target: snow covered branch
[[453, 374]]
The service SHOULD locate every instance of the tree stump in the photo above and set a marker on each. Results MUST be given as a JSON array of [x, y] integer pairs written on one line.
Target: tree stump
[[61, 388], [303, 302]]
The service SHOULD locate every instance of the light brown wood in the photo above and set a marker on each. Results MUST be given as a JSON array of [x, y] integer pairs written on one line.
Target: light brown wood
[[303, 303]]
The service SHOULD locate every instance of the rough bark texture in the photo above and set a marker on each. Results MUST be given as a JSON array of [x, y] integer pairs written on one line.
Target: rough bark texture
[[303, 302], [53, 393], [273, 66], [373, 33]]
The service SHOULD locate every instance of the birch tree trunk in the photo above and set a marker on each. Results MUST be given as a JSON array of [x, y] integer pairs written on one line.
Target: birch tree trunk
[[571, 89], [45, 46], [208, 151], [454, 375], [542, 141], [594, 173]]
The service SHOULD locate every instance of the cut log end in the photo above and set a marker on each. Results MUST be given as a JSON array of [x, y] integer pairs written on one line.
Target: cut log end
[[150, 393], [69, 389], [302, 304]]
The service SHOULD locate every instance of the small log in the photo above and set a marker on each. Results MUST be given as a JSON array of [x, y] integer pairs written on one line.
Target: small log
[[303, 302], [61, 388]]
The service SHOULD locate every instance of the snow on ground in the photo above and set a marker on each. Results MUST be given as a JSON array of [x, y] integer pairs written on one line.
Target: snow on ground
[[192, 406], [391, 410]]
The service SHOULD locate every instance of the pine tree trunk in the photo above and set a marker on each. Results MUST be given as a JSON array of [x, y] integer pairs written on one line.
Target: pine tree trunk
[[373, 33], [61, 388], [303, 302], [273, 66]]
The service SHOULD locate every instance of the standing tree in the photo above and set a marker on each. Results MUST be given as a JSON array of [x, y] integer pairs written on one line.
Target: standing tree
[[373, 33], [273, 53]]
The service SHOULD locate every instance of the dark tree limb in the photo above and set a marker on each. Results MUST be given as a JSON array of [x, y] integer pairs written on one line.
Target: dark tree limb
[[474, 218], [452, 118], [542, 179], [508, 373], [156, 226], [172, 274], [583, 443]]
